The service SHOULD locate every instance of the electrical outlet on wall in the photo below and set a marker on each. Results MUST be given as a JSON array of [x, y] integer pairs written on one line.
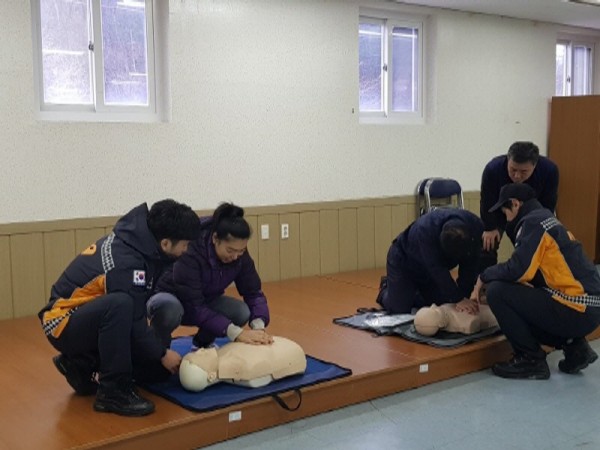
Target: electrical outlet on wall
[[264, 231], [285, 231]]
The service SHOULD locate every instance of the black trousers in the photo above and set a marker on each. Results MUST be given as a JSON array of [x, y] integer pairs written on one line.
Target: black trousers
[[234, 309], [530, 317], [102, 333], [404, 290]]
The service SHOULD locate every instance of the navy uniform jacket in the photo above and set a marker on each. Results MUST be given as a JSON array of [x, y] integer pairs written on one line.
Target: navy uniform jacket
[[547, 256], [543, 180], [128, 260], [422, 257]]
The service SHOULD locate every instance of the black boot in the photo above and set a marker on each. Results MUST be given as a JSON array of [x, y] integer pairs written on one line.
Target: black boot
[[122, 398], [523, 367], [382, 289], [578, 355], [78, 373]]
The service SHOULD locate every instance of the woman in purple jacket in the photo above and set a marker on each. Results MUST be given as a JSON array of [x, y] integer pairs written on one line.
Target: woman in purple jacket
[[192, 292]]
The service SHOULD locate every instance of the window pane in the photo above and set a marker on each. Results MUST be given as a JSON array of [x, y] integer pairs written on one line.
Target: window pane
[[582, 56], [405, 48], [561, 69], [125, 52], [370, 46], [65, 55]]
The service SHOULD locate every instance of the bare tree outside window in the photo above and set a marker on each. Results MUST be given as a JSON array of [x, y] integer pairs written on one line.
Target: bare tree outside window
[[124, 46], [390, 79], [66, 59], [561, 69], [406, 70], [95, 54], [582, 67], [370, 62], [574, 68]]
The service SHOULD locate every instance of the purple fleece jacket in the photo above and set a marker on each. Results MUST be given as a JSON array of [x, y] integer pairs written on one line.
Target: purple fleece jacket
[[198, 277]]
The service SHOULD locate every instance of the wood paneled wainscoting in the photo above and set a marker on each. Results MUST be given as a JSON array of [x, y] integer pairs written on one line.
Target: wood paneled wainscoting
[[324, 238]]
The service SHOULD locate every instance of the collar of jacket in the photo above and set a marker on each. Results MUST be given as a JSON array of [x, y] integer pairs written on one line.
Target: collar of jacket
[[133, 229], [528, 206]]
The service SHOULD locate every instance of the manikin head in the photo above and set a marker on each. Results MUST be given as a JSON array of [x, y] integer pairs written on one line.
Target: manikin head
[[522, 159], [199, 369], [428, 321], [230, 232]]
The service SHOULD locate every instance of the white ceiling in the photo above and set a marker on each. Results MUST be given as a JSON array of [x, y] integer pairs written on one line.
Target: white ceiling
[[556, 11]]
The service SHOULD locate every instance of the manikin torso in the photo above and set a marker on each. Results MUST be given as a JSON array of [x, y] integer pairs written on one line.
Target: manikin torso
[[242, 364], [428, 321]]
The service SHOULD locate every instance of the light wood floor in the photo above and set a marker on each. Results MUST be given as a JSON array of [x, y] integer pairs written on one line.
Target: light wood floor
[[38, 409]]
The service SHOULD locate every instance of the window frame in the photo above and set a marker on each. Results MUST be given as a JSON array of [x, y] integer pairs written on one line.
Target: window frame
[[570, 42], [98, 111], [391, 19]]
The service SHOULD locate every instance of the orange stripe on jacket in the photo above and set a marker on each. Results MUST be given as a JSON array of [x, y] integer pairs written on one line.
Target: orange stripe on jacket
[[80, 296], [556, 272]]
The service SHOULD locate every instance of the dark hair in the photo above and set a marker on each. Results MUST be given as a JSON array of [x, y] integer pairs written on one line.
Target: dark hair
[[168, 219], [523, 152], [228, 222], [456, 241]]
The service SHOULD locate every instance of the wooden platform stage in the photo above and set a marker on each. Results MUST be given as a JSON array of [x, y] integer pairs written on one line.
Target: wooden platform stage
[[39, 410]]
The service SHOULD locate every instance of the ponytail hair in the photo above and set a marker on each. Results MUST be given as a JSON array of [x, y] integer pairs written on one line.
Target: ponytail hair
[[228, 222]]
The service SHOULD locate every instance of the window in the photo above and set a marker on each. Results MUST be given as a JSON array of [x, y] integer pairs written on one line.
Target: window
[[573, 68], [95, 59], [390, 52]]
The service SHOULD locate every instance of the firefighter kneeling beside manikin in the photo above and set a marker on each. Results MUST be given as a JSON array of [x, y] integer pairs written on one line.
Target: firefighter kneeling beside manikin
[[242, 364]]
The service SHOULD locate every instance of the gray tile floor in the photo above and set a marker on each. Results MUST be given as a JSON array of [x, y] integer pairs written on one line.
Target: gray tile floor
[[477, 411]]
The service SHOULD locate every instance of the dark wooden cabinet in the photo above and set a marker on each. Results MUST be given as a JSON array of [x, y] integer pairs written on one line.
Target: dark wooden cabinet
[[574, 146]]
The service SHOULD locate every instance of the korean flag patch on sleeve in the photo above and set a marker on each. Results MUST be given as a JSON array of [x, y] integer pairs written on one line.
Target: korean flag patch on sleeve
[[139, 277]]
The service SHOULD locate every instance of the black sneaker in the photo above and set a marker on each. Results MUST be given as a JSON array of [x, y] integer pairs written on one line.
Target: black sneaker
[[80, 378], [122, 399], [578, 355], [382, 288], [522, 367]]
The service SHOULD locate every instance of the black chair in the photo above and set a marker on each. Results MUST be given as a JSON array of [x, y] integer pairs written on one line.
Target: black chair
[[436, 192]]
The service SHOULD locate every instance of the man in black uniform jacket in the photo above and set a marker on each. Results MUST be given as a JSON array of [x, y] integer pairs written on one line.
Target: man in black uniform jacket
[[420, 258], [522, 164], [96, 315]]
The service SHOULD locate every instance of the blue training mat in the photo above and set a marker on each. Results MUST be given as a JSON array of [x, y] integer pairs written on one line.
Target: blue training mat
[[223, 394]]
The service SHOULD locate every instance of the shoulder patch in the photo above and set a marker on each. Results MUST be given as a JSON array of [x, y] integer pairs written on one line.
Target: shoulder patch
[[139, 277]]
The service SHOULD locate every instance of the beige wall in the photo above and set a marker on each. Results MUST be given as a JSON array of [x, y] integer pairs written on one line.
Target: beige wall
[[263, 111], [324, 238]]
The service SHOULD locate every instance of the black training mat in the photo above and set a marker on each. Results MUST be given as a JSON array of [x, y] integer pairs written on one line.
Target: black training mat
[[383, 324]]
